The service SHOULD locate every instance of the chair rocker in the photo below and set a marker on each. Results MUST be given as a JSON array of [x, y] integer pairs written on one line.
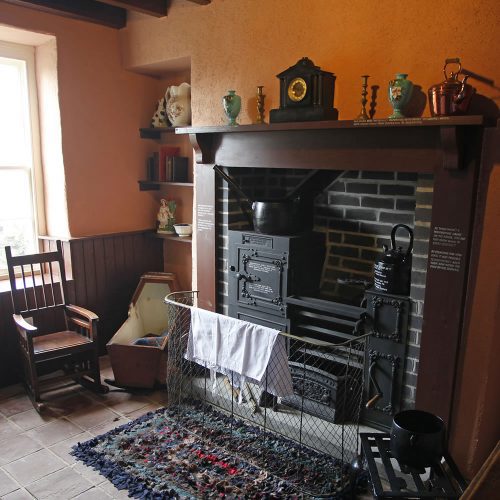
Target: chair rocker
[[50, 331]]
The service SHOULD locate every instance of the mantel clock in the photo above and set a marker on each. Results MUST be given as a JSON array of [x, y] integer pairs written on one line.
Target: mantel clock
[[306, 94]]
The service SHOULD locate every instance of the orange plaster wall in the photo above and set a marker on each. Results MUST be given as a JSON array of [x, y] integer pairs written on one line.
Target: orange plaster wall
[[102, 106], [241, 44]]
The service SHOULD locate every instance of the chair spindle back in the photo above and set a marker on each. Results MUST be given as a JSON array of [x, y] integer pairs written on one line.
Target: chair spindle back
[[38, 281]]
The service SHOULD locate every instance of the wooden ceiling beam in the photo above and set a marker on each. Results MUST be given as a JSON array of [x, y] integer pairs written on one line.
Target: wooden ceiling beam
[[156, 8], [84, 10]]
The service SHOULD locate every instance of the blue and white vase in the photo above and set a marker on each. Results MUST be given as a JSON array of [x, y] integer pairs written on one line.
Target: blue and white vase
[[232, 106], [400, 90]]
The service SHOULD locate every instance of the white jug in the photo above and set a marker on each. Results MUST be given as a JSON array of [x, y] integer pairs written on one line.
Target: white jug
[[178, 100]]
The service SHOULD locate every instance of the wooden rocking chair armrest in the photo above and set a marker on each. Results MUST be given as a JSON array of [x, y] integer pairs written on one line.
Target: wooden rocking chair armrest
[[89, 315], [22, 323]]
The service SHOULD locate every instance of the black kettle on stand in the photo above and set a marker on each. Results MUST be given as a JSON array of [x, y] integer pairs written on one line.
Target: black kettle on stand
[[392, 270]]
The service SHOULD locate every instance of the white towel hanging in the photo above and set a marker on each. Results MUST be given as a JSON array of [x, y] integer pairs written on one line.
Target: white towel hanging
[[241, 350]]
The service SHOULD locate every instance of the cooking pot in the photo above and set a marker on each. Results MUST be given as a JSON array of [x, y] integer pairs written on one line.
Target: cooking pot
[[277, 216], [274, 216], [392, 270], [451, 97], [417, 438]]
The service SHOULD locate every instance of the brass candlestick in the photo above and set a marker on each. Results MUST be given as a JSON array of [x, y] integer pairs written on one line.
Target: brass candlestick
[[363, 115], [260, 104]]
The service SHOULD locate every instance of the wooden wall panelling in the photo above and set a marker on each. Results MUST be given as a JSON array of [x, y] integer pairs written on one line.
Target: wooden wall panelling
[[90, 264], [78, 266], [100, 272], [10, 361], [105, 271]]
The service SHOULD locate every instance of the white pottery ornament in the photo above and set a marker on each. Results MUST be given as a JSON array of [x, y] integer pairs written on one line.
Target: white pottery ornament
[[160, 117], [179, 104]]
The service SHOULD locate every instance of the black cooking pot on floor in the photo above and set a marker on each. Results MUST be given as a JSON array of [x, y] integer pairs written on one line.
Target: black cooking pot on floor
[[417, 438]]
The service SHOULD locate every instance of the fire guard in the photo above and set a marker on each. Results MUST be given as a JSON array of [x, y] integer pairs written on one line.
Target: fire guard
[[333, 430]]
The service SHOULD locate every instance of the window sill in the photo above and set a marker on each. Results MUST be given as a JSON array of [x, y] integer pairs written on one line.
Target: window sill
[[5, 282]]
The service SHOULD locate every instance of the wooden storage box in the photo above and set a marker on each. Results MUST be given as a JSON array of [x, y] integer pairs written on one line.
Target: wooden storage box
[[139, 365]]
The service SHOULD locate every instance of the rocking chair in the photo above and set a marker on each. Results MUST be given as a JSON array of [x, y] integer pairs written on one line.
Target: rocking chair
[[50, 330]]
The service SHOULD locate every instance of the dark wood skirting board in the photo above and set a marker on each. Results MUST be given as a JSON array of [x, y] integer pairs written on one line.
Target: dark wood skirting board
[[104, 272], [450, 148]]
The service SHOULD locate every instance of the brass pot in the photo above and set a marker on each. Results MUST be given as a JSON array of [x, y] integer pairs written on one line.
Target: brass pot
[[451, 97]]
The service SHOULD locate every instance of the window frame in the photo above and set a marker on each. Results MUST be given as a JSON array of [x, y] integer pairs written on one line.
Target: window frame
[[27, 53]]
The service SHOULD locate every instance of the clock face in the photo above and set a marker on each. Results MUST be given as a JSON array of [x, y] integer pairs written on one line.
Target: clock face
[[297, 89]]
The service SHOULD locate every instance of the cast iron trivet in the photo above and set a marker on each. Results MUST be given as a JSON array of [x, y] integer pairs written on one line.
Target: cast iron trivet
[[444, 479], [194, 451]]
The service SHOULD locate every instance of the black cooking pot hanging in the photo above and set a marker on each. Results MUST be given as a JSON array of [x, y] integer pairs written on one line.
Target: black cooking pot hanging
[[272, 216], [392, 270]]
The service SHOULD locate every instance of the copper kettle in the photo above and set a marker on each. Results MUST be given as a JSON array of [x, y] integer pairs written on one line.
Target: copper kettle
[[451, 97]]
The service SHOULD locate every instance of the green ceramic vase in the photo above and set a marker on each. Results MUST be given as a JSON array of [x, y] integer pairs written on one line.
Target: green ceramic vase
[[232, 106], [400, 90]]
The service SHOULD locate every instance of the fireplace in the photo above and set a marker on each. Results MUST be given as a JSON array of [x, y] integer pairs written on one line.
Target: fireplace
[[353, 218], [417, 146]]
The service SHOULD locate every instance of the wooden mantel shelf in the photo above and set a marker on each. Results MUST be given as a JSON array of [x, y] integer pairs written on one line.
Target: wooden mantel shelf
[[438, 121], [337, 144]]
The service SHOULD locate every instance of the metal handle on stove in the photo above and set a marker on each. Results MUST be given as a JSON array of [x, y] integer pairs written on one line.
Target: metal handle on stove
[[246, 277], [379, 393]]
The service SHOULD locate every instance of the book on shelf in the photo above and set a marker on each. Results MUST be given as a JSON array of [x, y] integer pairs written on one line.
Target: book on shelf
[[156, 166], [150, 170], [166, 166], [166, 152], [179, 169], [153, 168]]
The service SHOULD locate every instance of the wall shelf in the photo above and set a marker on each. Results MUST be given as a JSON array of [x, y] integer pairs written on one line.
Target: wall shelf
[[145, 185], [177, 253], [172, 237], [155, 132]]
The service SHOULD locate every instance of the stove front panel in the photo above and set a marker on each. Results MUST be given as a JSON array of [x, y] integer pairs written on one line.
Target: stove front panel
[[258, 272]]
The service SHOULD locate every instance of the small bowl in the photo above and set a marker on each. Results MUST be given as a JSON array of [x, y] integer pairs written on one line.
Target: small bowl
[[183, 230]]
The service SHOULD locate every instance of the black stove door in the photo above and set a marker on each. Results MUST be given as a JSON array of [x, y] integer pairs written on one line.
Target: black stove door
[[258, 272], [260, 279]]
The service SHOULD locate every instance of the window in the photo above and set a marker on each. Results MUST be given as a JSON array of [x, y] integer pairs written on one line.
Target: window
[[19, 151]]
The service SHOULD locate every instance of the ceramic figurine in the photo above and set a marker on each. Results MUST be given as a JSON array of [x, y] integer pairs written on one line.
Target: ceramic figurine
[[178, 106], [166, 217]]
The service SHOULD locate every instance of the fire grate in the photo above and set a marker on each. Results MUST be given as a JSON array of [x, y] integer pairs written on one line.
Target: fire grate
[[439, 481]]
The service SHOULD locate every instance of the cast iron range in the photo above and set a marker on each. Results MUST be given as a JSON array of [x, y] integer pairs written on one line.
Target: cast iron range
[[274, 281]]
